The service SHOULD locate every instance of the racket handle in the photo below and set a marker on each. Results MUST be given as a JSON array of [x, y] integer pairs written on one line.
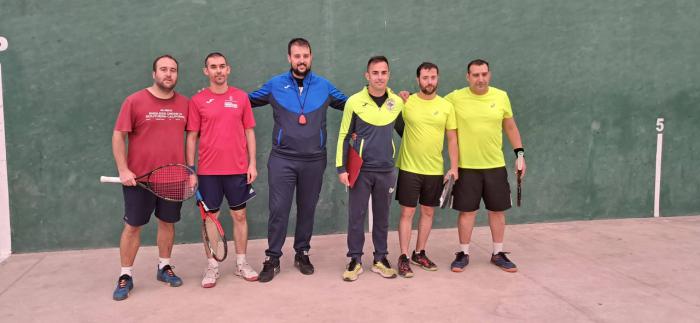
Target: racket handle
[[109, 179]]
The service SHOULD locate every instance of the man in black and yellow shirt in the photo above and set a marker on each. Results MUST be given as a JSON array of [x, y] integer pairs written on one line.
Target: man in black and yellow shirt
[[483, 115], [371, 115]]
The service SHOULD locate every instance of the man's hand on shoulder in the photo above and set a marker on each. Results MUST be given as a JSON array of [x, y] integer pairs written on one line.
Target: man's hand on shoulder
[[404, 95]]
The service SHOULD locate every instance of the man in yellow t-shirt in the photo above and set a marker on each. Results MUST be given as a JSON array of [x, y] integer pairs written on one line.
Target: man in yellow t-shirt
[[483, 113], [427, 118]]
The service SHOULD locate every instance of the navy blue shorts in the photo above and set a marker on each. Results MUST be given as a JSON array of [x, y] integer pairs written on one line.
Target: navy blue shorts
[[139, 204], [235, 187]]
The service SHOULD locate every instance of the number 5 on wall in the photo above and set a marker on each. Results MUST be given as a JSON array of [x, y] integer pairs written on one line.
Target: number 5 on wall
[[660, 124], [657, 176]]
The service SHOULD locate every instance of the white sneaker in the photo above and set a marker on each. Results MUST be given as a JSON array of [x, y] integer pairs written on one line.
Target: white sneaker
[[210, 277], [246, 272]]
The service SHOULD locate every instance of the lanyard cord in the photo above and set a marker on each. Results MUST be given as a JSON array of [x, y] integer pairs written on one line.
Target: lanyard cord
[[306, 92]]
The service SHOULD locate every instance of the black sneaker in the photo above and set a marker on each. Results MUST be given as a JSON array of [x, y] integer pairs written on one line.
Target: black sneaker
[[271, 267], [422, 260], [404, 267], [461, 261], [302, 261], [503, 262]]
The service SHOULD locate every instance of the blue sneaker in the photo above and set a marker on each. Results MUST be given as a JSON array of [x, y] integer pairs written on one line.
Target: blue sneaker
[[124, 286], [168, 276], [461, 261], [503, 262]]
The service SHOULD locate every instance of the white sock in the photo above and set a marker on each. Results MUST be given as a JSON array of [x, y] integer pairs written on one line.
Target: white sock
[[162, 262], [127, 271], [240, 259], [213, 263], [497, 247], [464, 248]]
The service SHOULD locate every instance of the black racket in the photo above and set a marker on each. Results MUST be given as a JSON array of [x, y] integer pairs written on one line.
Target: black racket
[[173, 182], [446, 196], [519, 174]]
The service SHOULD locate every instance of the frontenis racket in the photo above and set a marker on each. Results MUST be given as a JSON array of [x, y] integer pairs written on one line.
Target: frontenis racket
[[173, 182], [519, 175], [446, 196], [213, 234]]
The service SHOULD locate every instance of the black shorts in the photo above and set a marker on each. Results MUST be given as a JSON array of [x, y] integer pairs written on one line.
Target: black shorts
[[234, 187], [139, 204], [412, 188], [489, 184]]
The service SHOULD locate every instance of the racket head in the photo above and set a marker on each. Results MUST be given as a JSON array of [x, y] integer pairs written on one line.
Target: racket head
[[214, 238], [446, 196], [173, 182]]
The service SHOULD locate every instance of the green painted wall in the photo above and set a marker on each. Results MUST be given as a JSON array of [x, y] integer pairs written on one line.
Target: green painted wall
[[587, 80]]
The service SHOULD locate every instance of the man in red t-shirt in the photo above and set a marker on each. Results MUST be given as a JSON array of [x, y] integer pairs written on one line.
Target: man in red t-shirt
[[153, 122], [222, 118]]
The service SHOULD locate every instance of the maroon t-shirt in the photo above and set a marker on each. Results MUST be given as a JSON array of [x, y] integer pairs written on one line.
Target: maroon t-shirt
[[156, 130]]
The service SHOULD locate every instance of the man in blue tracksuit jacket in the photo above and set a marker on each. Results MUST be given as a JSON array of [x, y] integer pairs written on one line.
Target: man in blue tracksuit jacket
[[299, 100]]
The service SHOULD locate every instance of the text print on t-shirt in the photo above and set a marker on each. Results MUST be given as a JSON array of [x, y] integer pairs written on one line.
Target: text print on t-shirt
[[164, 114], [230, 103]]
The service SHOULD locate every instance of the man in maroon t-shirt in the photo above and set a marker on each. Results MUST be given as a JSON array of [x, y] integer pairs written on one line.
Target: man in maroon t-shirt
[[222, 118], [153, 122]]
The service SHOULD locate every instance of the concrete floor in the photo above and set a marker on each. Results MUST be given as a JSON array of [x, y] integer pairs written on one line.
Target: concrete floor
[[630, 270]]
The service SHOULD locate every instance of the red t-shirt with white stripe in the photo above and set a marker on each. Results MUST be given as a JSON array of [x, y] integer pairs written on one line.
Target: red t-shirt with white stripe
[[156, 130], [221, 120]]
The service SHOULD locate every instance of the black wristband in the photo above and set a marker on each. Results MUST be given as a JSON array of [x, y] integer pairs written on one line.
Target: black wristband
[[517, 150], [194, 168]]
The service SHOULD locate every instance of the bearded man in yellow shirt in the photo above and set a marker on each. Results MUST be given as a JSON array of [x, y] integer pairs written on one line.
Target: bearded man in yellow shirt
[[427, 118]]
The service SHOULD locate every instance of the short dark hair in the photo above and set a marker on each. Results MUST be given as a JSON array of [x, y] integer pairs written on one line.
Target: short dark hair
[[426, 66], [214, 54], [155, 61], [477, 62], [377, 59], [301, 42]]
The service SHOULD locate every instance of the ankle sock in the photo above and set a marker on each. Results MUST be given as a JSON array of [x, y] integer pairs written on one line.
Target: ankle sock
[[127, 271], [497, 247], [162, 262]]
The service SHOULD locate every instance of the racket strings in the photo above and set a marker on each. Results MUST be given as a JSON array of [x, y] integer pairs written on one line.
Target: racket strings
[[172, 182], [214, 238]]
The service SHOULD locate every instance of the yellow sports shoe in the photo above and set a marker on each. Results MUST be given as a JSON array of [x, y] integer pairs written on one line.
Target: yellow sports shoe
[[353, 271], [383, 268]]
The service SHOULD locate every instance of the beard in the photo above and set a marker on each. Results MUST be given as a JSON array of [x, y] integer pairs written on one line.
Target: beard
[[161, 85], [297, 72], [428, 90]]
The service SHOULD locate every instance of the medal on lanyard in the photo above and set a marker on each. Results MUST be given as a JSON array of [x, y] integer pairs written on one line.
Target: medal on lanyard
[[302, 117]]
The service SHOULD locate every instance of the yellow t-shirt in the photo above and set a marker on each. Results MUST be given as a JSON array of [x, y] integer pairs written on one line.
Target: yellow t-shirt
[[424, 134], [480, 126]]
